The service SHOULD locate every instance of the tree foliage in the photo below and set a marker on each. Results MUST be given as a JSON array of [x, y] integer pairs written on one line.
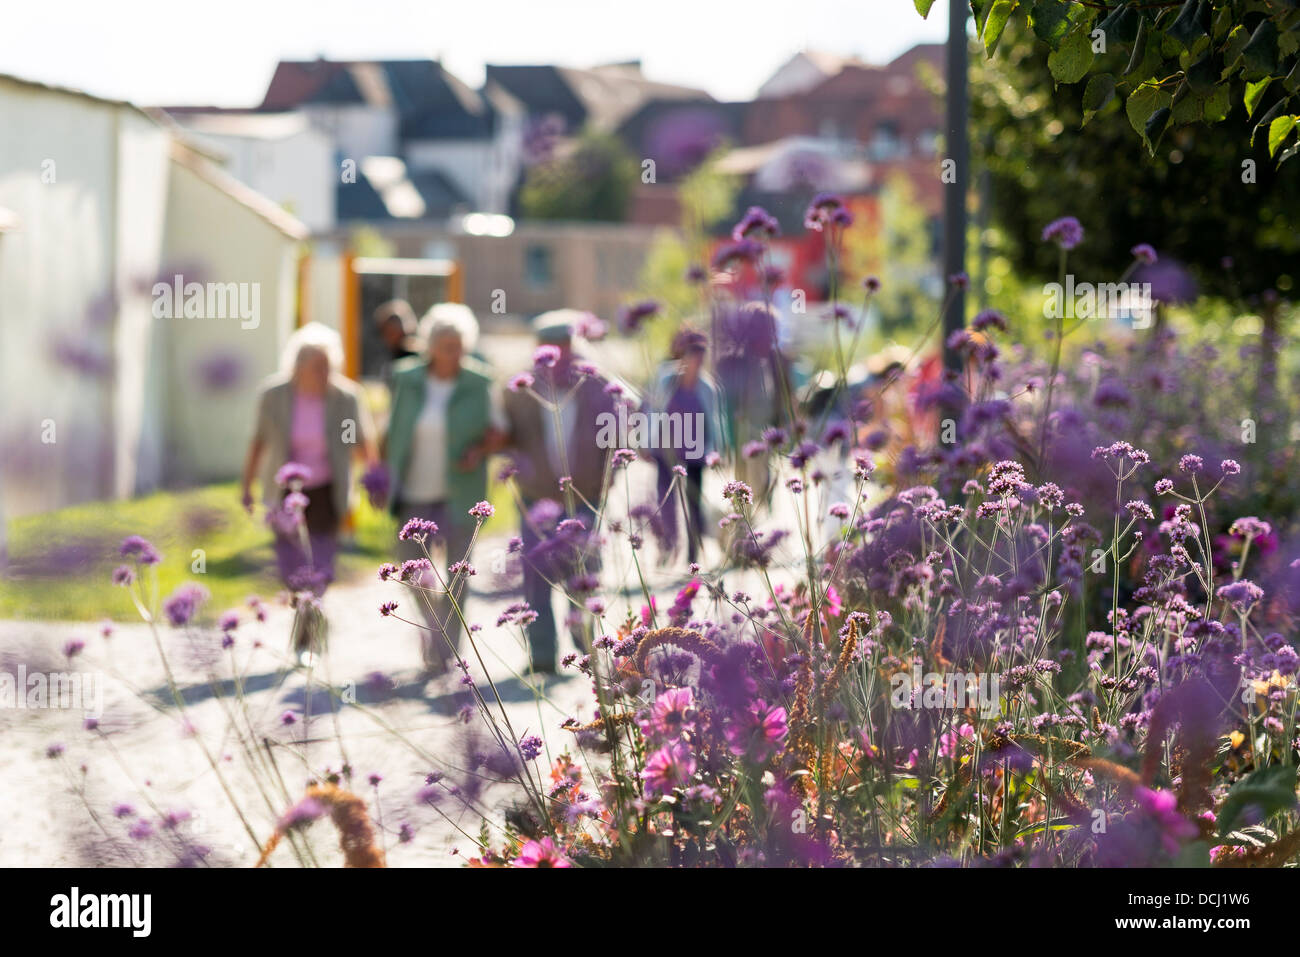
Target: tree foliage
[[592, 181], [1173, 63], [1204, 196]]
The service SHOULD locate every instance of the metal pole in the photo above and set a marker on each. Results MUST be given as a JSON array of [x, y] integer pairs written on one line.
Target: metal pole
[[957, 110]]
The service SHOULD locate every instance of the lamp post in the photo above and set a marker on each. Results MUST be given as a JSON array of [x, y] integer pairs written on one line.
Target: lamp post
[[957, 115]]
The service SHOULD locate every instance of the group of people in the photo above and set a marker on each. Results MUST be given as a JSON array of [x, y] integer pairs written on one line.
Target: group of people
[[446, 418]]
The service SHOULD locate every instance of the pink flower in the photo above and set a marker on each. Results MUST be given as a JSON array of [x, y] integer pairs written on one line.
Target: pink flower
[[833, 603], [757, 731], [668, 768], [546, 356], [292, 473], [541, 853], [672, 713], [950, 742], [301, 814], [1144, 253], [1162, 808]]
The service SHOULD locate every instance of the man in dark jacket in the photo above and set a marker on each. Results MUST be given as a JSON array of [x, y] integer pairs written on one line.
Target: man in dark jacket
[[553, 424]]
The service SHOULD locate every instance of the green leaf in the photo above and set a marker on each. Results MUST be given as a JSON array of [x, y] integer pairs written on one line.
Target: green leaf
[[1155, 126], [1203, 75], [1288, 42], [1278, 131], [1142, 105], [1070, 63], [1188, 28], [1218, 104], [1188, 109], [996, 22], [1099, 91], [1253, 92], [1139, 48], [1251, 837], [1051, 21], [1121, 26], [1236, 43], [1195, 854], [1260, 54], [1267, 118], [1268, 790], [1223, 26], [923, 7]]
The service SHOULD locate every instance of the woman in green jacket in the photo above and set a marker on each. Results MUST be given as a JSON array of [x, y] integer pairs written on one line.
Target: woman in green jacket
[[443, 425]]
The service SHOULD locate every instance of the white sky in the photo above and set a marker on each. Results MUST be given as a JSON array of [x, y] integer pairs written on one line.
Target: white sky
[[222, 52]]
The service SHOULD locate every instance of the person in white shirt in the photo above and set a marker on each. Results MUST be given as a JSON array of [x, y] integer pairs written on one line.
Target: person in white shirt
[[446, 420]]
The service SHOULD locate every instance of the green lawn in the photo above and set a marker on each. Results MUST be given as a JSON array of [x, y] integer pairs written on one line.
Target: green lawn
[[61, 563]]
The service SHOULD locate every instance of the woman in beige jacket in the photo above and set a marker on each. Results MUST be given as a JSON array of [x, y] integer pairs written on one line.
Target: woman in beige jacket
[[311, 424]]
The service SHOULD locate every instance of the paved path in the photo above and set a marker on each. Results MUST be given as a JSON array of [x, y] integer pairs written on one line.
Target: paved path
[[147, 759], [144, 755]]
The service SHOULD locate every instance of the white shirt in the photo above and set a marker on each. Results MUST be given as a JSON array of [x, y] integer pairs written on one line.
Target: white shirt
[[426, 474]]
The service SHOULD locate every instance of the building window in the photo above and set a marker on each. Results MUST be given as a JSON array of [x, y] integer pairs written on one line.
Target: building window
[[886, 144], [539, 270]]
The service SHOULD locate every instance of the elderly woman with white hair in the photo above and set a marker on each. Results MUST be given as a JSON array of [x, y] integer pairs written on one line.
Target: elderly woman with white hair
[[445, 421], [311, 424]]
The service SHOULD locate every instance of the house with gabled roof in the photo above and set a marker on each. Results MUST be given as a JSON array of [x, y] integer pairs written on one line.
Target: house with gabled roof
[[460, 147], [600, 97], [804, 71]]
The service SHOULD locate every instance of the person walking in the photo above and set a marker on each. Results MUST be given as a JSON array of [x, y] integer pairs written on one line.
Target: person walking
[[445, 422], [687, 395], [552, 428], [311, 424], [312, 419], [395, 323]]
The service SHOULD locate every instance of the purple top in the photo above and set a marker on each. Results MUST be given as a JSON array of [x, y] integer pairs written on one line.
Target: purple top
[[307, 442]]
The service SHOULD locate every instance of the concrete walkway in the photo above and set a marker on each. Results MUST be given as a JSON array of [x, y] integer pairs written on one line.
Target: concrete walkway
[[60, 811]]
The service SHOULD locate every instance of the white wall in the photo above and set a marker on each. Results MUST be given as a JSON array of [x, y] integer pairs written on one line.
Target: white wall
[[507, 162], [296, 171], [356, 131], [58, 280], [142, 167], [467, 163], [102, 211], [324, 282], [208, 424]]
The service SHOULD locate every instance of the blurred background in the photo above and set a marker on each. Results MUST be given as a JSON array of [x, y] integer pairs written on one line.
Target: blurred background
[[517, 158]]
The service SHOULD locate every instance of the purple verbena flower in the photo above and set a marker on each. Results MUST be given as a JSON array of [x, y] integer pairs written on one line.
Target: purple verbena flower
[[1066, 232], [139, 549], [183, 604]]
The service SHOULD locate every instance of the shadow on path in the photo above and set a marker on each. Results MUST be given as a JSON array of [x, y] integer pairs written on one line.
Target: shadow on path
[[444, 695]]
